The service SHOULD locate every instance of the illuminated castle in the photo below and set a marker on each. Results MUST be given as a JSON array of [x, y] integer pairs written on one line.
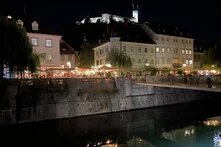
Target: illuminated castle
[[105, 18]]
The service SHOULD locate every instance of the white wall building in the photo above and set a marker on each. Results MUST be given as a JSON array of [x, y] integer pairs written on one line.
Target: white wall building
[[173, 48], [140, 53]]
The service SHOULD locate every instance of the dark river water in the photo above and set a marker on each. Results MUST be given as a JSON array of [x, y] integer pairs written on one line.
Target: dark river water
[[193, 124]]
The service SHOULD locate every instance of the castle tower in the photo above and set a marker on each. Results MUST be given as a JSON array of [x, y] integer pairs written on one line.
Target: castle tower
[[135, 12]]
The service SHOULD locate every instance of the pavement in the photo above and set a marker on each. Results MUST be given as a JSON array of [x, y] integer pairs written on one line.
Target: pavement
[[182, 86]]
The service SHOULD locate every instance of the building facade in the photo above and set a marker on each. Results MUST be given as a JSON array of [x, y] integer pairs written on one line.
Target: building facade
[[140, 53], [68, 55], [173, 48], [48, 46]]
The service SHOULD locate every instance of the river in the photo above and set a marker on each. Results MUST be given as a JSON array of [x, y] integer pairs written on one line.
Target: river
[[195, 124]]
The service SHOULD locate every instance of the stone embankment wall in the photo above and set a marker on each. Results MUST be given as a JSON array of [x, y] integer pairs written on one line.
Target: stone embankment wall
[[63, 98]]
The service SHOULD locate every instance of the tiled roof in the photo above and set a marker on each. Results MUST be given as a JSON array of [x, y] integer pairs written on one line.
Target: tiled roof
[[168, 30], [42, 27], [65, 48], [131, 32]]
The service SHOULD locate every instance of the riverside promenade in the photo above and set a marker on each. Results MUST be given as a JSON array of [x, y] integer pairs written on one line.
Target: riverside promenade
[[182, 86]]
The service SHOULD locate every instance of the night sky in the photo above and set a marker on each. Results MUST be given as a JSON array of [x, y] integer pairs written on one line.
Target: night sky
[[202, 19]]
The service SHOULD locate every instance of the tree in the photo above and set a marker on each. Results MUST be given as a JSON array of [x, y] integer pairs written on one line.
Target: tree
[[151, 70], [15, 48], [119, 60], [86, 54]]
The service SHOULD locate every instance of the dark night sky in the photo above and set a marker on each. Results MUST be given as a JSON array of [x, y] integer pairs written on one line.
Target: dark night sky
[[201, 18]]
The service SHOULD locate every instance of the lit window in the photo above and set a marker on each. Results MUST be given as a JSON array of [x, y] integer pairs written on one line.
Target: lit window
[[190, 52], [186, 61], [163, 50], [157, 49], [186, 51], [48, 43], [34, 41], [191, 61], [183, 51]]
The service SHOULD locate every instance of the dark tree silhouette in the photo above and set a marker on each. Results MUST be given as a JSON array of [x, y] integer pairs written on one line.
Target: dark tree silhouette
[[15, 48]]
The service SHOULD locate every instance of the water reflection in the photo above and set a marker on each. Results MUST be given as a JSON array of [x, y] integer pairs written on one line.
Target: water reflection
[[185, 125]]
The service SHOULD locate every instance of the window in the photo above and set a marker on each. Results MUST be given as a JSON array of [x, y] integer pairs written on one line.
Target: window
[[157, 49], [183, 51], [34, 41], [190, 42], [168, 39], [49, 58], [139, 49], [191, 61], [186, 61], [34, 26], [163, 50], [146, 61], [97, 53], [190, 52], [162, 38], [145, 50], [186, 51], [152, 51], [124, 48], [48, 43], [139, 60], [168, 50], [97, 62]]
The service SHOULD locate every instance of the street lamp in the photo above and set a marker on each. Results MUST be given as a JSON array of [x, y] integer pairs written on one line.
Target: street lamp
[[147, 64]]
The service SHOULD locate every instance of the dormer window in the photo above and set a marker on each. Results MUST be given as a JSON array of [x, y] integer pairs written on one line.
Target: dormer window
[[34, 26], [20, 22]]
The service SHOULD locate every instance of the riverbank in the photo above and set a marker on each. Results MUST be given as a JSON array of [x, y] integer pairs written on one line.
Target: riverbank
[[65, 98]]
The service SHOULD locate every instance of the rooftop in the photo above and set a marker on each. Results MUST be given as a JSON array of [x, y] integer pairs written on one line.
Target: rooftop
[[166, 29]]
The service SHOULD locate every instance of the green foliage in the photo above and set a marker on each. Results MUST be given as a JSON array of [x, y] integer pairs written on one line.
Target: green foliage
[[86, 54], [119, 59], [213, 54], [151, 70], [15, 48], [166, 70], [180, 71]]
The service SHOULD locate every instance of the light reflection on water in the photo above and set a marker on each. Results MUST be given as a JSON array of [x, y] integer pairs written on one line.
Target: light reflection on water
[[184, 125]]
